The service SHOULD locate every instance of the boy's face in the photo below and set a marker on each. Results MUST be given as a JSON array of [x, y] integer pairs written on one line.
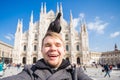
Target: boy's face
[[53, 51]]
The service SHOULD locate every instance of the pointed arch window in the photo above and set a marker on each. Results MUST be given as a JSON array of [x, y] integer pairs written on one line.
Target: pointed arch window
[[77, 47], [35, 47], [19, 29], [66, 37], [67, 48], [24, 48], [36, 37]]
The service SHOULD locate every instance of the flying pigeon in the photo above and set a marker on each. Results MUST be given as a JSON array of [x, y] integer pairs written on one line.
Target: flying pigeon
[[55, 25]]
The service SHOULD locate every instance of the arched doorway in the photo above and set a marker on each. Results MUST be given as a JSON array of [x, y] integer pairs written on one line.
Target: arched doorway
[[67, 58], [78, 61], [34, 59], [24, 60]]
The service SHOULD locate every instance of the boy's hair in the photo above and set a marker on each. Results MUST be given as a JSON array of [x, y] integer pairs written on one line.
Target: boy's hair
[[54, 35]]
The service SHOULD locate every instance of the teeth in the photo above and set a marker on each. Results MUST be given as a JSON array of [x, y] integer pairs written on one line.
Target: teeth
[[53, 56]]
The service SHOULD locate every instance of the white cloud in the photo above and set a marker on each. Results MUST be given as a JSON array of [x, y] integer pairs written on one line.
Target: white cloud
[[9, 36], [82, 15], [115, 34], [97, 26], [76, 21], [112, 17]]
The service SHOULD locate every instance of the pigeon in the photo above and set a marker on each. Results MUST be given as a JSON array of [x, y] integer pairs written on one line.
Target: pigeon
[[55, 25]]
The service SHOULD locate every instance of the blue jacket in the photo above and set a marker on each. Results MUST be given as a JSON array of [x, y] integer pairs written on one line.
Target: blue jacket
[[1, 66]]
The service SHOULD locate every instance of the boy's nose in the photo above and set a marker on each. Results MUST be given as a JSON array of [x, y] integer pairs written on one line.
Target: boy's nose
[[53, 47]]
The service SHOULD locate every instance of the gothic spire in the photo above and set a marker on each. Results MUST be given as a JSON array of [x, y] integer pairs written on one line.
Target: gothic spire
[[57, 11], [41, 8], [44, 8], [61, 11], [71, 20], [31, 18], [18, 28], [71, 17], [83, 25], [19, 25], [116, 49]]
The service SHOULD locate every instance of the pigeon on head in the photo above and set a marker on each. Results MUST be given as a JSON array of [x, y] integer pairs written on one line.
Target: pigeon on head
[[55, 25]]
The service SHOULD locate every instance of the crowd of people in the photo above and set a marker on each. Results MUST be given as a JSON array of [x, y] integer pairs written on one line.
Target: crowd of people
[[4, 66]]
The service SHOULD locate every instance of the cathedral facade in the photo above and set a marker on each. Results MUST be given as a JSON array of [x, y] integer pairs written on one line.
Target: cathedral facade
[[27, 45]]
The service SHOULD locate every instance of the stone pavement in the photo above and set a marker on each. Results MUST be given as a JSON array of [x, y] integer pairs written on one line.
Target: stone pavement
[[11, 71], [94, 73], [97, 74]]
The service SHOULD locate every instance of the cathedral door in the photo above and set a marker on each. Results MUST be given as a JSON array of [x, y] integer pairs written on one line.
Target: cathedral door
[[24, 60], [34, 59], [78, 61]]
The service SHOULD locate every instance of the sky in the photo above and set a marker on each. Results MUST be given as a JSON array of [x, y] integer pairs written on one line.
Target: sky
[[102, 18]]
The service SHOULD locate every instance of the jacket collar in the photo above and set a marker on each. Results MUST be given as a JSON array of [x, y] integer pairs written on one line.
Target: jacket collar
[[41, 64]]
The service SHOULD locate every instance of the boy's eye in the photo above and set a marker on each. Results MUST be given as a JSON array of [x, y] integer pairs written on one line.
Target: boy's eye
[[58, 44], [47, 45]]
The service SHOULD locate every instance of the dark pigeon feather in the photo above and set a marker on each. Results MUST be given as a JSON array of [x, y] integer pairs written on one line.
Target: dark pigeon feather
[[55, 25]]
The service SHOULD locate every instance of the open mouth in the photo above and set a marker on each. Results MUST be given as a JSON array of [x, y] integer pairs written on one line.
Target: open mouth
[[52, 57]]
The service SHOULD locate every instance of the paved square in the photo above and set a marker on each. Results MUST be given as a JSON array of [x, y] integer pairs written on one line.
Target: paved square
[[95, 73]]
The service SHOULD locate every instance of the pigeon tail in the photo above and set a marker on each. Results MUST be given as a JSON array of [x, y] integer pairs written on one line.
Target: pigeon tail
[[58, 16], [55, 25]]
